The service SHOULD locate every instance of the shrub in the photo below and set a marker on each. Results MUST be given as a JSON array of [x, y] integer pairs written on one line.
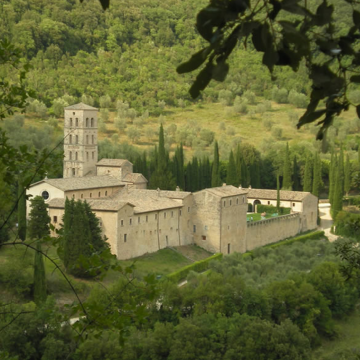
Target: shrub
[[198, 266], [250, 97], [277, 132], [240, 106], [207, 136], [267, 124], [348, 224], [225, 97], [270, 209]]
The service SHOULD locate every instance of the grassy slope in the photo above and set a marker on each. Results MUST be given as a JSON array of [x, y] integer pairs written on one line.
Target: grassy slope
[[251, 130]]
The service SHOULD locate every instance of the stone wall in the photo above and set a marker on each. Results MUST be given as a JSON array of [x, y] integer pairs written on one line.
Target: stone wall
[[94, 193], [263, 232]]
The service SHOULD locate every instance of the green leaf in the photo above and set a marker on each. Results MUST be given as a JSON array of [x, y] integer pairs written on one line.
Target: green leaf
[[194, 62], [207, 19], [202, 80], [220, 71]]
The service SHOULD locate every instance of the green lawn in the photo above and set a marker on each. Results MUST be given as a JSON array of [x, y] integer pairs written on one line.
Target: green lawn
[[345, 344], [256, 217]]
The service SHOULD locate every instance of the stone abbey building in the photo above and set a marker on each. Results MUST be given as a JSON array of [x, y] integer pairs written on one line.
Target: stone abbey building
[[137, 221]]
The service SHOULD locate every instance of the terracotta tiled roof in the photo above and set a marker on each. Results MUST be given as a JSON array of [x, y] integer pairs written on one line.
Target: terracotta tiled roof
[[135, 178], [112, 162], [225, 191], [151, 200], [272, 194], [87, 182], [96, 204], [80, 106]]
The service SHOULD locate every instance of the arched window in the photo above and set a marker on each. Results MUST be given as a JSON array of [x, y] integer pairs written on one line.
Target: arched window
[[74, 171], [99, 194], [71, 124], [70, 139], [76, 122], [76, 156], [87, 139], [76, 139], [87, 122], [90, 194], [105, 193], [93, 155], [70, 155], [87, 156], [82, 195], [92, 139], [92, 122]]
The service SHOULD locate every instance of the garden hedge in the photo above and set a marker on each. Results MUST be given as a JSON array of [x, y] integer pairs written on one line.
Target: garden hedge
[[198, 266], [270, 209]]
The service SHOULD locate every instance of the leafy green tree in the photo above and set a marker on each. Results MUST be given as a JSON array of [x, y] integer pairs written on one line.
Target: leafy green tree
[[39, 219], [287, 183], [215, 172]]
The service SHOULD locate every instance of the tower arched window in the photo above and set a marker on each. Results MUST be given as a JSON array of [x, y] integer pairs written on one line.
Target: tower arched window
[[70, 139], [76, 156], [87, 122], [92, 122], [71, 123], [92, 139], [99, 194], [93, 155], [76, 139], [76, 122], [70, 155], [87, 139], [87, 156]]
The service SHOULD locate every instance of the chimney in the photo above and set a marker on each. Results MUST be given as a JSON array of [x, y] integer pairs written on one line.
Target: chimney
[[177, 189], [158, 190], [240, 187], [224, 184], [249, 186]]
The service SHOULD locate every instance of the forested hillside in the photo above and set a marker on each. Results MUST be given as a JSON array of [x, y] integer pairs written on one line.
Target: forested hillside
[[129, 52]]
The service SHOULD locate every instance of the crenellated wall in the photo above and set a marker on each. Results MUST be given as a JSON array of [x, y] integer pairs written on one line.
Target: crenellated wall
[[263, 232]]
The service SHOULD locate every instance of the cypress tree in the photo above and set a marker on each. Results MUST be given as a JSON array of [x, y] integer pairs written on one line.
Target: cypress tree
[[296, 182], [39, 219], [21, 212], [238, 166], [207, 173], [317, 176], [179, 172], [231, 176], [287, 183], [338, 194], [332, 175], [277, 194], [195, 174], [215, 173], [39, 277], [188, 179], [245, 177], [307, 176], [347, 175], [341, 168]]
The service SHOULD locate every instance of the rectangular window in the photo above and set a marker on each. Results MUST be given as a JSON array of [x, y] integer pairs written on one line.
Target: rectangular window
[[146, 218], [180, 212], [93, 155], [194, 228], [164, 215], [172, 214], [139, 220], [76, 139], [167, 240], [55, 219], [155, 216], [92, 139], [74, 171], [228, 248], [224, 203], [76, 122], [293, 204], [230, 202], [203, 237], [130, 221], [268, 202], [189, 209], [122, 222], [125, 237]]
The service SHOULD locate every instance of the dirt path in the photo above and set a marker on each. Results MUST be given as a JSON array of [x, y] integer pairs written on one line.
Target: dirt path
[[326, 221]]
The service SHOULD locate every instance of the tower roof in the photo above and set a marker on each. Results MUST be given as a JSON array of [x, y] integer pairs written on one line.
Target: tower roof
[[80, 106]]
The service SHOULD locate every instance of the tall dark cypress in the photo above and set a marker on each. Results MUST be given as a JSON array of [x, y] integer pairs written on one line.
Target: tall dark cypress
[[238, 165], [188, 177], [215, 173], [21, 212], [317, 176], [39, 292], [207, 173], [277, 193], [231, 176], [338, 193], [332, 177], [347, 175], [296, 181], [341, 169], [307, 181], [287, 183]]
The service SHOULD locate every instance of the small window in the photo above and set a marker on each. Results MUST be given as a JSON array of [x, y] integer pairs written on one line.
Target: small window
[[164, 215], [125, 238], [87, 122], [71, 123], [74, 171], [180, 212], [139, 220], [167, 240], [73, 113], [99, 193], [224, 203], [45, 195], [147, 218], [92, 139], [105, 193], [155, 216], [122, 222], [73, 196], [90, 194], [268, 202], [92, 122], [76, 139], [188, 223], [230, 202], [237, 201], [189, 209], [150, 232], [70, 155], [93, 155], [243, 199], [70, 139], [87, 139], [87, 156], [194, 228], [55, 219], [159, 231], [76, 156], [293, 204], [130, 221], [76, 122], [203, 237], [205, 227], [82, 195], [172, 214], [228, 248]]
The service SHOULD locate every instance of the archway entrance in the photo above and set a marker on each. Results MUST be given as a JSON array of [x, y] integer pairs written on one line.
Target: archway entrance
[[256, 202]]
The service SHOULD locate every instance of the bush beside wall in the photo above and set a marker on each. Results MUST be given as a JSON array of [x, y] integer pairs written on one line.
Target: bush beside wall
[[348, 224], [198, 266]]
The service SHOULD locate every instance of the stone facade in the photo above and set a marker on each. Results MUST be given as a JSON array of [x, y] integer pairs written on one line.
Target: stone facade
[[137, 221]]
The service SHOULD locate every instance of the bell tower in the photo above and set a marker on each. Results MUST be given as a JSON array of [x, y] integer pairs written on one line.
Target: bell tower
[[80, 140]]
